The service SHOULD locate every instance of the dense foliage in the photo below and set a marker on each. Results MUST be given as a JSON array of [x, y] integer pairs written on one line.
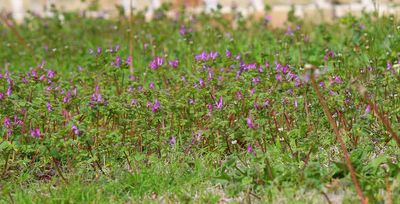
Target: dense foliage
[[207, 108]]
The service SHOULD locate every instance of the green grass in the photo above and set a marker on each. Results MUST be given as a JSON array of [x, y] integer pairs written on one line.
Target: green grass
[[83, 127]]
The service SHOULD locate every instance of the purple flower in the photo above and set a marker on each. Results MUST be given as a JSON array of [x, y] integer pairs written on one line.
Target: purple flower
[[129, 60], [260, 69], [50, 74], [267, 65], [210, 108], [134, 102], [117, 47], [99, 50], [228, 54], [154, 106], [35, 133], [8, 91], [201, 83], [252, 66], [202, 57], [156, 63], [285, 69], [322, 84], [1, 96], [49, 107], [9, 132], [266, 103], [75, 130], [7, 75], [67, 97], [210, 76], [390, 67], [197, 137], [172, 140], [41, 65], [238, 73], [278, 77], [219, 104], [306, 77], [238, 57], [335, 79], [151, 86], [368, 109], [256, 106], [183, 30], [183, 78], [239, 95], [255, 80], [250, 123], [291, 75], [330, 54], [96, 97], [7, 122], [80, 68], [250, 149], [117, 62], [213, 55], [131, 89], [33, 74], [267, 19], [278, 67], [289, 31], [173, 63]]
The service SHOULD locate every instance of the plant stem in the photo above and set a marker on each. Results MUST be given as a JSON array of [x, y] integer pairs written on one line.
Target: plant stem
[[59, 170], [379, 115], [388, 191], [340, 139], [6, 164], [96, 161], [127, 159]]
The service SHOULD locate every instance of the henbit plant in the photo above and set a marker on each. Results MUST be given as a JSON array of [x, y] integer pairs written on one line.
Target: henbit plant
[[199, 108]]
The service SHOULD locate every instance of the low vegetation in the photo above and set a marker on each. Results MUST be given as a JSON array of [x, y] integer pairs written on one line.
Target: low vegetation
[[199, 108]]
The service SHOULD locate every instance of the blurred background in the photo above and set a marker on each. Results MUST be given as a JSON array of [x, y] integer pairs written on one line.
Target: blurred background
[[316, 10]]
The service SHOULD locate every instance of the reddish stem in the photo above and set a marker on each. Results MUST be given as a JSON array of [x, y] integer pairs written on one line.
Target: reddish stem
[[340, 139]]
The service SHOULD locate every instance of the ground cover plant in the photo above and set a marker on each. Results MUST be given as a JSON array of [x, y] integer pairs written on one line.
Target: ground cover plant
[[199, 108]]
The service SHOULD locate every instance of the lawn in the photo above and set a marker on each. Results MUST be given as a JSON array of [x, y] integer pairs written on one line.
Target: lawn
[[203, 108]]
